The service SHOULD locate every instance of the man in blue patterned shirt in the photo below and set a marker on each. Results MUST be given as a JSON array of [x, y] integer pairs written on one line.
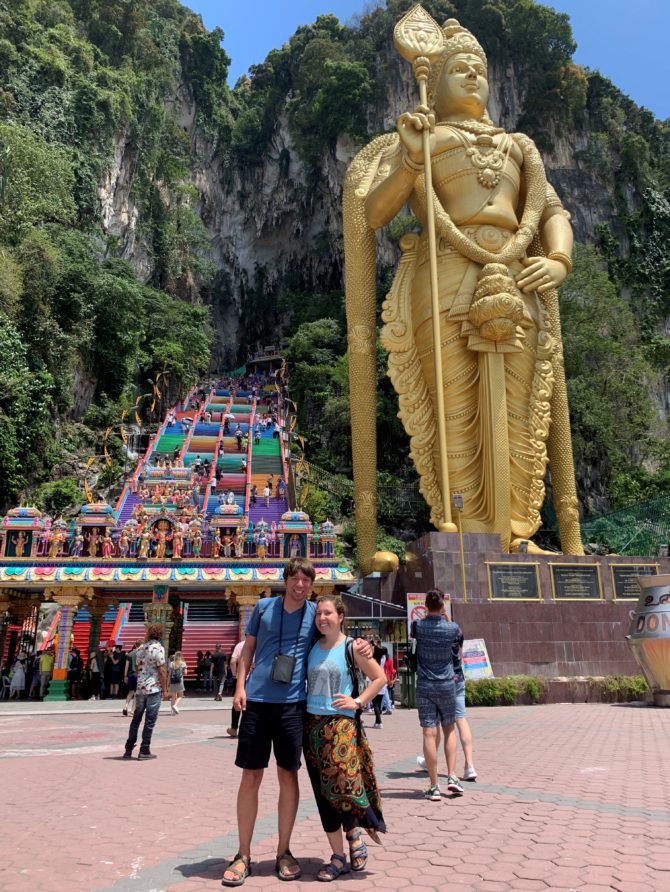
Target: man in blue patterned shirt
[[435, 690]]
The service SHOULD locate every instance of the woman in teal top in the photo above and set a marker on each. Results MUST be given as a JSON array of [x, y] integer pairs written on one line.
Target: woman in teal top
[[337, 752]]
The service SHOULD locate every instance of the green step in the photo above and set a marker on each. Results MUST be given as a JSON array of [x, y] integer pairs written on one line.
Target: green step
[[267, 447]]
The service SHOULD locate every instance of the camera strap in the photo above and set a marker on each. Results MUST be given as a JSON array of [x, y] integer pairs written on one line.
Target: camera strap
[[281, 626]]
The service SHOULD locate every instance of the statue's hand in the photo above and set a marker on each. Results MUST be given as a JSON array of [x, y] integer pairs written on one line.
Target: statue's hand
[[541, 274], [410, 127]]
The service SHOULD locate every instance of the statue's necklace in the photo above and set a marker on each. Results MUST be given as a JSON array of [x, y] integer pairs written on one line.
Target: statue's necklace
[[488, 159]]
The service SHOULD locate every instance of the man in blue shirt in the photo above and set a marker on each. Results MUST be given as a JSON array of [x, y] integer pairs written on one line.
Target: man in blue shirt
[[435, 691], [272, 702]]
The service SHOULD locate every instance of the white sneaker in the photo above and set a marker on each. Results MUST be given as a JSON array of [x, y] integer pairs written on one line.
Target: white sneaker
[[469, 773], [377, 725], [421, 762]]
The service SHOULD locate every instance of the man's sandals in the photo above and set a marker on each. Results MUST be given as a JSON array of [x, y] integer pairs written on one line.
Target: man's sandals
[[240, 867], [286, 867]]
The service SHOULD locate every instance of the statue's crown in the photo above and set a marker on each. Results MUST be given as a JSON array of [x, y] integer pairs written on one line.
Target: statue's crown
[[459, 40]]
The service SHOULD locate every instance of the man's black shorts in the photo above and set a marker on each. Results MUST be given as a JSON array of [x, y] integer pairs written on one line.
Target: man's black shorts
[[270, 726]]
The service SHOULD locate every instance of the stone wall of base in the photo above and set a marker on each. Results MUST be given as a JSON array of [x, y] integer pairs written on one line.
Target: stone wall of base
[[551, 639], [547, 635]]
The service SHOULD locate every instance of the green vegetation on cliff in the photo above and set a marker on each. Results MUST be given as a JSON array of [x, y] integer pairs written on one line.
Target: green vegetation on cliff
[[78, 80]]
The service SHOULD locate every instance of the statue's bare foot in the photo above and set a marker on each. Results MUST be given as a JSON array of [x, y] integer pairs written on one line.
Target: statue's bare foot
[[520, 546]]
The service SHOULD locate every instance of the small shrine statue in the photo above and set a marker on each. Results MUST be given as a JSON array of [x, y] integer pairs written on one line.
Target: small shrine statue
[[124, 543], [107, 546], [145, 540], [216, 545], [19, 543], [262, 545], [227, 544], [177, 543], [77, 544]]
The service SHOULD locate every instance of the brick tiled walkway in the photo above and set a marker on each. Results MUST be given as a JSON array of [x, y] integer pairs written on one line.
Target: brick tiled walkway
[[569, 797]]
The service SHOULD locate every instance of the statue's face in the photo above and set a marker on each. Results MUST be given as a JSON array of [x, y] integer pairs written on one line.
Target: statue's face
[[463, 88]]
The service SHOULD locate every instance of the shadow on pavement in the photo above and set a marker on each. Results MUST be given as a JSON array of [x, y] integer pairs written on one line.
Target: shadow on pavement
[[209, 869]]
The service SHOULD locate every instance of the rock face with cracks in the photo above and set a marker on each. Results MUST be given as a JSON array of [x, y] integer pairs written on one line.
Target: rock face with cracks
[[280, 220]]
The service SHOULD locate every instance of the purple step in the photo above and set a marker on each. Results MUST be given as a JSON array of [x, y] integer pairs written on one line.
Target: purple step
[[126, 511], [274, 512]]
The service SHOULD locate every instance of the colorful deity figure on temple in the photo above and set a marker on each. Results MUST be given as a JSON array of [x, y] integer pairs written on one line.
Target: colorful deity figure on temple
[[196, 543], [19, 543], [92, 538], [294, 547], [145, 540], [56, 541], [262, 545], [107, 545], [161, 539], [77, 544], [216, 545], [124, 543], [273, 536], [177, 542], [44, 537], [239, 543], [227, 544]]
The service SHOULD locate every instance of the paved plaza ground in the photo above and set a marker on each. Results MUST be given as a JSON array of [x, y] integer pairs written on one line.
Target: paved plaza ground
[[568, 797]]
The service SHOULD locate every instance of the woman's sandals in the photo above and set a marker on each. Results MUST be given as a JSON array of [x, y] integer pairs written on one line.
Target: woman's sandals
[[358, 851], [240, 874], [329, 872]]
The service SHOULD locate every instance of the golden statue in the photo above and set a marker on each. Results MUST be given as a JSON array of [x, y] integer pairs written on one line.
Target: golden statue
[[480, 283]]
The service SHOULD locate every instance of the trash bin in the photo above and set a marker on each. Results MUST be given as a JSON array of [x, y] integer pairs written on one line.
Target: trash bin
[[407, 688]]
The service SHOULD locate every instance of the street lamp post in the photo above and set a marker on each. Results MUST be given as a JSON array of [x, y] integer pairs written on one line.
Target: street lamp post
[[457, 502]]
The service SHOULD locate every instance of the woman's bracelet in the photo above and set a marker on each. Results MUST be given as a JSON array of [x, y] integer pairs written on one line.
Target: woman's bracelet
[[563, 258]]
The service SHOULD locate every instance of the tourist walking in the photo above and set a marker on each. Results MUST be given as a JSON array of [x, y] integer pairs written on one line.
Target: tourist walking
[[218, 670], [435, 692], [94, 674], [272, 702], [131, 678], [342, 776], [17, 678], [151, 689], [462, 724], [177, 670], [46, 669]]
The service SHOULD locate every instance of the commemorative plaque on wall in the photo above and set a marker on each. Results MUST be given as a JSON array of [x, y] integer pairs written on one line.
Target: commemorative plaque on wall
[[513, 582], [576, 582], [625, 579]]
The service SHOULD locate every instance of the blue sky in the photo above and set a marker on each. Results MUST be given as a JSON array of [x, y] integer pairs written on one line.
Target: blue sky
[[626, 41]]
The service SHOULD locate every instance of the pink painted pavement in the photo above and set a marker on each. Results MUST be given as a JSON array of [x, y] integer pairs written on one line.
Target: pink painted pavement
[[568, 797]]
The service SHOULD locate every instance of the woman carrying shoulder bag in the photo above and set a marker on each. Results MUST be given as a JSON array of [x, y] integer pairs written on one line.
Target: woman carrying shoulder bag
[[337, 753]]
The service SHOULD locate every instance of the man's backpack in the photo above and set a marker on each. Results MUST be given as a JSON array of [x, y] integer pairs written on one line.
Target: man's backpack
[[412, 661]]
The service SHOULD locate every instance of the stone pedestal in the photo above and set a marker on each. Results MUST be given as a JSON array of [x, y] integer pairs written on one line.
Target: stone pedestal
[[555, 633]]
